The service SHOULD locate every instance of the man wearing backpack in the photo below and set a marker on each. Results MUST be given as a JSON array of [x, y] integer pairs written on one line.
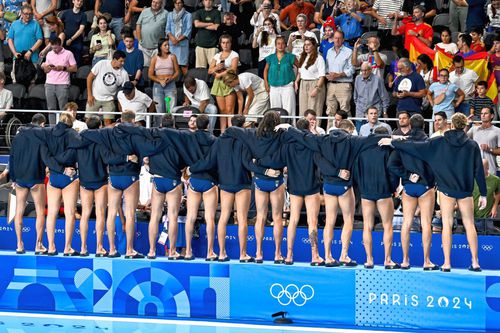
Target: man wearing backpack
[[25, 35]]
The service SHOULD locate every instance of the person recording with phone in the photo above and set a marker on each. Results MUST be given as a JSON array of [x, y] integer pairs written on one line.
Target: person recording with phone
[[351, 23], [297, 38], [265, 40], [102, 42]]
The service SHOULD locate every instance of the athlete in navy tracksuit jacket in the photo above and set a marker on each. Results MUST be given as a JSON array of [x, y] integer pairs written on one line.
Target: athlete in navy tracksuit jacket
[[27, 171], [418, 181]]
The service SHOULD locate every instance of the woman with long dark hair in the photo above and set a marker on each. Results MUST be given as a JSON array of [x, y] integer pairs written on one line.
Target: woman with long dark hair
[[265, 39], [102, 41]]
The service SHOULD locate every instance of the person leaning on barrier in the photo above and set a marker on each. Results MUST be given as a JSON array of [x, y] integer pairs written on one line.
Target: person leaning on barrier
[[197, 94], [130, 98]]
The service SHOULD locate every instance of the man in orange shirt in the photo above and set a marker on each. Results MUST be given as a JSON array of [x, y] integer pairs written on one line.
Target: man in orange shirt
[[416, 28], [291, 12]]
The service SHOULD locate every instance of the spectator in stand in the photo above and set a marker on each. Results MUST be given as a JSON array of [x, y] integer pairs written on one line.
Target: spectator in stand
[[115, 8], [42, 10], [338, 118], [164, 71], [25, 34], [223, 61], [6, 97], [242, 9], [376, 59], [78, 125], [369, 90], [495, 59], [440, 124], [425, 67], [466, 80], [442, 95], [404, 126], [476, 15], [127, 31], [130, 98], [384, 12], [481, 101], [262, 13], [56, 29], [464, 44], [327, 41], [290, 14], [310, 81], [310, 116], [487, 137], [74, 21], [192, 127], [279, 77], [372, 122], [339, 73], [134, 61], [229, 27], [459, 9], [297, 38], [446, 44], [428, 5], [178, 31], [12, 6], [416, 28], [265, 39], [135, 8], [325, 9], [197, 94], [493, 12], [484, 219], [102, 42], [351, 23], [103, 82], [206, 20], [58, 66], [477, 44], [409, 88], [150, 28], [257, 100]]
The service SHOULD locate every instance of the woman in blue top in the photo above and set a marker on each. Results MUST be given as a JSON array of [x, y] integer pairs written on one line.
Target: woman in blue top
[[178, 30], [279, 77], [444, 95]]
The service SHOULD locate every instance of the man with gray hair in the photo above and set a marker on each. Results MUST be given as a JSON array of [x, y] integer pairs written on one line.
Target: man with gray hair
[[369, 90], [409, 88], [376, 59], [150, 28]]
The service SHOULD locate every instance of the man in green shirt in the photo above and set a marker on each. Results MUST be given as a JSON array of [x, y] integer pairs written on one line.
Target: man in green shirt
[[206, 20], [483, 217]]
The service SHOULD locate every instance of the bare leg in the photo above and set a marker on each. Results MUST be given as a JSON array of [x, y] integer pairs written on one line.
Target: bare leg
[[368, 208], [157, 199], [114, 203], [409, 207], [447, 210], [226, 207], [277, 201], [131, 197], [386, 211], [193, 204], [38, 192], [87, 199], [346, 203], [210, 199], [101, 202], [261, 204], [296, 203], [242, 204], [53, 205], [466, 207], [69, 196], [21, 196], [221, 103], [312, 203], [173, 205], [426, 204], [331, 209]]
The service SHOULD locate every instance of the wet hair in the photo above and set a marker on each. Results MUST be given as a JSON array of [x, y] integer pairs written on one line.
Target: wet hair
[[380, 130], [417, 121], [168, 121], [38, 119], [303, 124], [202, 122], [266, 126], [238, 120], [459, 121], [66, 118], [346, 124], [93, 122], [128, 116]]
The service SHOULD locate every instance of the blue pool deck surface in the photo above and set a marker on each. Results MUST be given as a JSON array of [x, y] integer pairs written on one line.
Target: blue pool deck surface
[[20, 322]]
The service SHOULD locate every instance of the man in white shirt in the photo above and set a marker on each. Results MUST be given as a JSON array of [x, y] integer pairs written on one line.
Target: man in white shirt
[[197, 94], [103, 82], [465, 79], [129, 98]]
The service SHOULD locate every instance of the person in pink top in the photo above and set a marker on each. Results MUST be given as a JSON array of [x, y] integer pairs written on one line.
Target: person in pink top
[[58, 65]]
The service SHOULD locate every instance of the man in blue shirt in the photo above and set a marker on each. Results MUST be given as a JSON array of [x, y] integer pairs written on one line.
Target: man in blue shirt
[[25, 34], [409, 88]]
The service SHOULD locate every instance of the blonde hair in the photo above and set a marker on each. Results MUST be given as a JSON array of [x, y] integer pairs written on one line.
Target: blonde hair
[[459, 121], [229, 77], [347, 125], [66, 118], [71, 106]]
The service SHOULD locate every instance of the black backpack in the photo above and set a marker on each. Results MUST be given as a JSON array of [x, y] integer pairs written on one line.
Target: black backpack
[[25, 70]]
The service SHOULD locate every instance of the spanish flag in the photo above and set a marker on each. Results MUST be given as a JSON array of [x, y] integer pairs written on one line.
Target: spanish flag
[[417, 47]]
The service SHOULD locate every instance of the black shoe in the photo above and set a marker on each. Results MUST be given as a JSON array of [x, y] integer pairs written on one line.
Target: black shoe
[[251, 259], [225, 259], [151, 257], [279, 261], [259, 261], [21, 251], [72, 254], [135, 256], [102, 255], [192, 257], [431, 268], [316, 264], [41, 253], [179, 257], [289, 263], [114, 255], [351, 263], [84, 254], [216, 258], [474, 269], [395, 266], [333, 263], [52, 254], [368, 266], [405, 268], [446, 270]]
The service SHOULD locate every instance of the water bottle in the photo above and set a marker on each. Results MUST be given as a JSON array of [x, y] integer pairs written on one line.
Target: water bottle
[[167, 104]]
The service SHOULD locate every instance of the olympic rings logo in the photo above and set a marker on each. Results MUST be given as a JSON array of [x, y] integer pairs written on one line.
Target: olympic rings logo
[[306, 240], [487, 247], [291, 293]]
